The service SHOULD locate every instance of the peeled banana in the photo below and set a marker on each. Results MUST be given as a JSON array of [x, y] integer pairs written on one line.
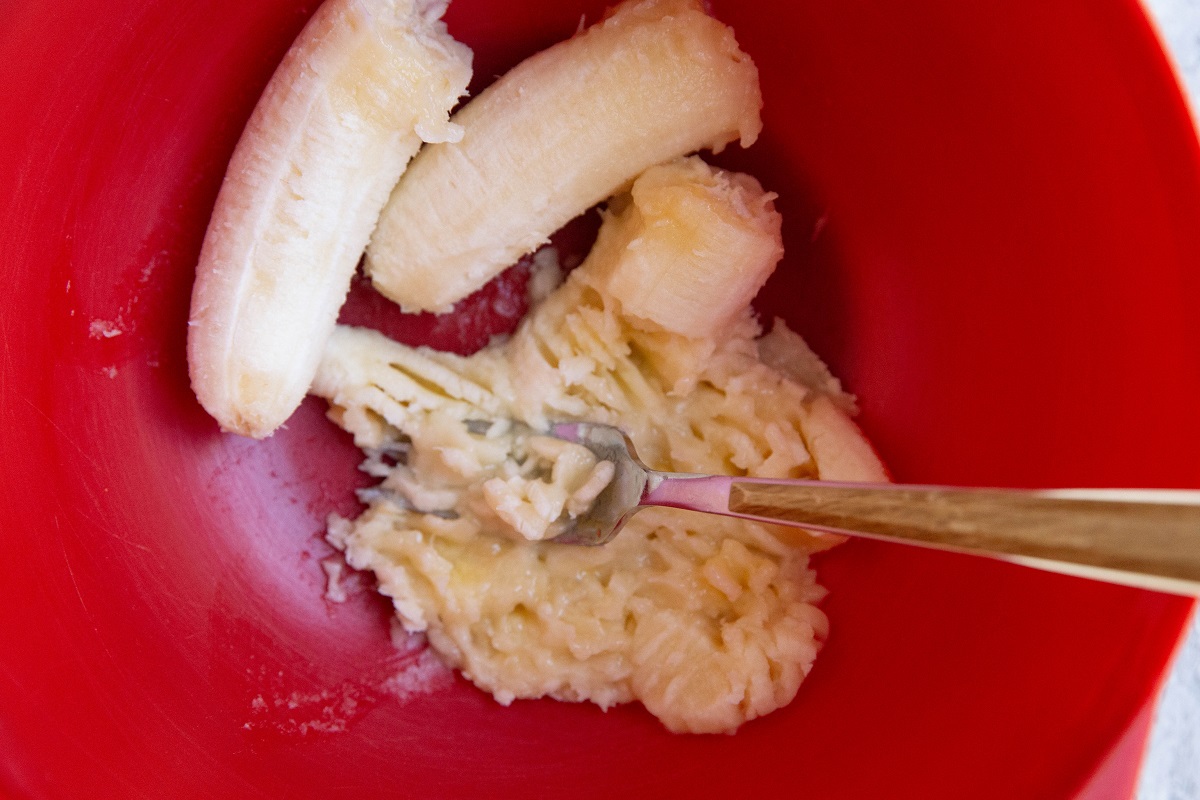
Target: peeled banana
[[562, 131], [366, 82]]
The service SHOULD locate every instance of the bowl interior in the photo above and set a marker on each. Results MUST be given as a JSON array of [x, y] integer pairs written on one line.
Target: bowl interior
[[990, 225]]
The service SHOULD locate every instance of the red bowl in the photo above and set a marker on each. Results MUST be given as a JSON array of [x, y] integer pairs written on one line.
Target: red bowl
[[991, 220]]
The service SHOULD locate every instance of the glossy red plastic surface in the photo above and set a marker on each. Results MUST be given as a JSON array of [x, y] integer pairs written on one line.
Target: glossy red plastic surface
[[992, 227]]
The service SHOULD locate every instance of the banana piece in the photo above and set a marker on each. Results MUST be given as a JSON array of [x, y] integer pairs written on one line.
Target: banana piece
[[688, 248], [366, 82], [562, 131]]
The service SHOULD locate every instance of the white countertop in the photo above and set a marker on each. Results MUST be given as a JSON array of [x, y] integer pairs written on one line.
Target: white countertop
[[1171, 770]]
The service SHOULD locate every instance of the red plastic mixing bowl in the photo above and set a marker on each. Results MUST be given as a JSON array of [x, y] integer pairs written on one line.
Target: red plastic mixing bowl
[[993, 229]]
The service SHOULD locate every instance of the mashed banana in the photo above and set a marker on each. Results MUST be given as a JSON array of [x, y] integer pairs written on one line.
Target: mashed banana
[[707, 621]]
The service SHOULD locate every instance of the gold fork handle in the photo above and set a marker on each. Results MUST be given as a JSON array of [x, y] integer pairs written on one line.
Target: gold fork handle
[[1149, 539]]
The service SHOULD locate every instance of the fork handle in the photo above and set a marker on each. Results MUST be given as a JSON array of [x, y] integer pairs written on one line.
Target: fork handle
[[1144, 538]]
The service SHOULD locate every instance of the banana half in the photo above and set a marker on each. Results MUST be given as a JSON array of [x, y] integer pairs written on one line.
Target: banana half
[[366, 83], [560, 132]]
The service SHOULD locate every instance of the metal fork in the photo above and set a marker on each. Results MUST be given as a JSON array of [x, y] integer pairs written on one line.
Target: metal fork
[[1149, 538]]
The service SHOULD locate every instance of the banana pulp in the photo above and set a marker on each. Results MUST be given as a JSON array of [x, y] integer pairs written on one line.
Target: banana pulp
[[707, 621]]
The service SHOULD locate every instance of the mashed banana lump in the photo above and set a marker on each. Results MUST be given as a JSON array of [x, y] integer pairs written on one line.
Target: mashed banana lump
[[707, 621]]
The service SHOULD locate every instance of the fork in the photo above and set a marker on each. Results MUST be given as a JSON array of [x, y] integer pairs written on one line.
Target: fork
[[1148, 538]]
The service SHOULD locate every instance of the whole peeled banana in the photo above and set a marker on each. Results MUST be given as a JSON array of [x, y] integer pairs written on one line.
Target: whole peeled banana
[[560, 132]]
